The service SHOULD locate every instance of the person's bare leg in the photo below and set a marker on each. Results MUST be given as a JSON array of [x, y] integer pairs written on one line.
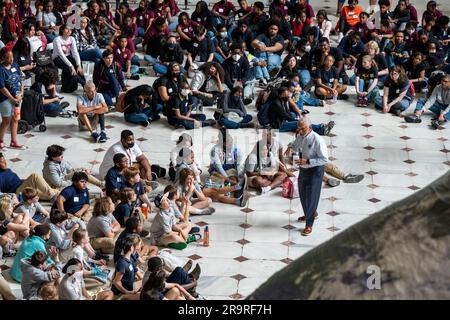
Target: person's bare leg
[[4, 126], [261, 182], [13, 127], [278, 179], [87, 123]]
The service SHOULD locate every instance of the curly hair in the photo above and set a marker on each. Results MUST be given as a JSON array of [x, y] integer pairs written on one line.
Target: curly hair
[[205, 69]]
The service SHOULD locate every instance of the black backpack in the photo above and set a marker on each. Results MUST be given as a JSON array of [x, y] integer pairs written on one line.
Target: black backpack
[[69, 83], [32, 110]]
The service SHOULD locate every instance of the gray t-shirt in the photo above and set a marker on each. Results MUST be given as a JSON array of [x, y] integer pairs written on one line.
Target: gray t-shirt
[[71, 287], [99, 226], [46, 18], [163, 223], [86, 102]]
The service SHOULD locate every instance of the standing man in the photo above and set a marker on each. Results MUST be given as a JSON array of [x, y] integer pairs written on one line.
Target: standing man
[[313, 155]]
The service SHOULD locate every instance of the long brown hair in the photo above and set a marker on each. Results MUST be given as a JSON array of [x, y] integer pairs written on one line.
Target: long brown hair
[[402, 78], [205, 69]]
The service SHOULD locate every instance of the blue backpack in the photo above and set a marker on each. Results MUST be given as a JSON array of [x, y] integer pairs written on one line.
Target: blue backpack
[[263, 114]]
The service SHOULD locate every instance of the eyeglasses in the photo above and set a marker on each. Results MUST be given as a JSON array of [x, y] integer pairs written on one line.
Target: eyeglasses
[[83, 181]]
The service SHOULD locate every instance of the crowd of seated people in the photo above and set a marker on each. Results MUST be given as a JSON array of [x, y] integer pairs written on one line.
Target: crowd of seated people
[[211, 58]]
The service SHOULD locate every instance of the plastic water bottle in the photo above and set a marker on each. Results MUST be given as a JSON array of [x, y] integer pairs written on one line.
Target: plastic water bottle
[[206, 237]]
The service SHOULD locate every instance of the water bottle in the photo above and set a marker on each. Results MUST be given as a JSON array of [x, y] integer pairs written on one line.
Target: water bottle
[[295, 156], [206, 237], [17, 107]]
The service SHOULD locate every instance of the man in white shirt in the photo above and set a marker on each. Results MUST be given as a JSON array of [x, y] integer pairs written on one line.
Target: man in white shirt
[[134, 155], [91, 107], [313, 155]]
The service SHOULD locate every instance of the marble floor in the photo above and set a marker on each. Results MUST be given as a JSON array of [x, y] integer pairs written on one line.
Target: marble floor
[[250, 244]]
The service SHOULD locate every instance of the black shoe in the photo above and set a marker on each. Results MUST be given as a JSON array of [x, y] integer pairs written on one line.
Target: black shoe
[[195, 274], [64, 105], [436, 124], [353, 178], [342, 96], [328, 127], [413, 119], [145, 124], [194, 230], [246, 125], [134, 77], [103, 137], [154, 118], [247, 101], [305, 112], [144, 233], [95, 136]]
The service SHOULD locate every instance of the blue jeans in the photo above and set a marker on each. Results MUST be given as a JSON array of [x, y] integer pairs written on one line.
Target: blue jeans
[[50, 36], [218, 57], [133, 70], [363, 87], [436, 108], [93, 55], [391, 61], [232, 124], [273, 60], [188, 125], [402, 105], [259, 72], [141, 32], [52, 108], [140, 118], [306, 99], [135, 61]]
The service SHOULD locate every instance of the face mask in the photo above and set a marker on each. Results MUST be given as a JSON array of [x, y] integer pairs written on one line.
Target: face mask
[[295, 83], [307, 48], [236, 99], [130, 145], [432, 51], [285, 99], [185, 92], [171, 46], [236, 57], [176, 74], [223, 34]]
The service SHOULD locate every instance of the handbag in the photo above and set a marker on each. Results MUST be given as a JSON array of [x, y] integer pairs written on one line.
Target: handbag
[[290, 188], [43, 57]]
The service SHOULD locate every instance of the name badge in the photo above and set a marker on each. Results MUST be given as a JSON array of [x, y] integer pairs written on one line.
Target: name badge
[[220, 10], [141, 17], [195, 44], [185, 30], [111, 71], [76, 199], [397, 91], [331, 79], [372, 75], [355, 16], [22, 58], [124, 56], [240, 14], [285, 7], [170, 90], [130, 267], [199, 19], [13, 70], [118, 51], [119, 179]]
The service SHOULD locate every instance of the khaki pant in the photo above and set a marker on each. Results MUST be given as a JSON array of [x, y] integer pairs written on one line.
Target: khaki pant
[[37, 182], [93, 120], [91, 179], [104, 244], [334, 171], [218, 178], [5, 290], [92, 283]]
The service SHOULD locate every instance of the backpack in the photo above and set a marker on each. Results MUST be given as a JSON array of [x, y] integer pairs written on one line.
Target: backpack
[[263, 114], [68, 82], [290, 188], [32, 110], [120, 103]]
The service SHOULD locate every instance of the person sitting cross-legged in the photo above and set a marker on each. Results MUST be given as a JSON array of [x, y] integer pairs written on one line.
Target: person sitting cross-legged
[[92, 107]]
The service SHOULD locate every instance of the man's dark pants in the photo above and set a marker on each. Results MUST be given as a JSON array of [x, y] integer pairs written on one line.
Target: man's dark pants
[[309, 187]]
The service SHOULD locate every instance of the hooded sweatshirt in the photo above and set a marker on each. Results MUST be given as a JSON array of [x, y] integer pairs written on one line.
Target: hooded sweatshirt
[[32, 279]]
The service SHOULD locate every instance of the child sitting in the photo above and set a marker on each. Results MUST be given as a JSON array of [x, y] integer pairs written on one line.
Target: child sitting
[[165, 231], [366, 82], [125, 209], [31, 207], [10, 226]]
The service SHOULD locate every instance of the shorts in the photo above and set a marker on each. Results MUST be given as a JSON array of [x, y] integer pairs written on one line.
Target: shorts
[[93, 119], [6, 108]]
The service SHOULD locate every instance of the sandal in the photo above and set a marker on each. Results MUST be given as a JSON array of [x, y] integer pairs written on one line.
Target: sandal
[[15, 145], [194, 237]]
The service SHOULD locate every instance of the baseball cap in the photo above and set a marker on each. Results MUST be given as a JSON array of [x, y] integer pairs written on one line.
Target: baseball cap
[[160, 198]]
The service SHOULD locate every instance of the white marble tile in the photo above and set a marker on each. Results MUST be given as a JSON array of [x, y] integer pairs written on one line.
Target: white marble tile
[[265, 250], [219, 286], [268, 234], [249, 285], [220, 249], [220, 267], [260, 268]]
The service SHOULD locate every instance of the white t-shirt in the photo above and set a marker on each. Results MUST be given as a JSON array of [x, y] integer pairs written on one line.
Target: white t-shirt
[[35, 44], [132, 154], [71, 288], [73, 252]]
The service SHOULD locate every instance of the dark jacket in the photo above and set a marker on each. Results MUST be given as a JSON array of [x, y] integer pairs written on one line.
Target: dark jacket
[[133, 103], [101, 77], [278, 113], [236, 71], [168, 55]]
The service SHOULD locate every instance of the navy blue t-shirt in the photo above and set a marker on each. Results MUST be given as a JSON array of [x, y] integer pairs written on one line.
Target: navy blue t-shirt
[[328, 76], [128, 269], [119, 247], [396, 88], [122, 211], [113, 180], [9, 181], [75, 199], [10, 79], [138, 189]]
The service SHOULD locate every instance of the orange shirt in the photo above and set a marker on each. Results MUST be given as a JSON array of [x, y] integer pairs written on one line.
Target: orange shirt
[[351, 16]]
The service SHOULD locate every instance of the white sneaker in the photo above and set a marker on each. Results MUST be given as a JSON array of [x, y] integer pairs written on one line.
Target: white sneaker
[[265, 190], [341, 36]]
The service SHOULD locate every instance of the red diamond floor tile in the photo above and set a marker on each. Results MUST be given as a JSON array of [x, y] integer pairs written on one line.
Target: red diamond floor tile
[[409, 161], [241, 259], [407, 149], [236, 296], [15, 160], [332, 158], [289, 211], [195, 257], [4, 267], [367, 136], [247, 210], [445, 150], [286, 260], [245, 225], [332, 213], [243, 242], [372, 173], [374, 200], [330, 113], [288, 243], [370, 160], [333, 229], [109, 126], [411, 174], [94, 162], [405, 138], [447, 163], [66, 136], [332, 199], [367, 125], [289, 227], [202, 223], [403, 126], [99, 150], [141, 139], [373, 186], [413, 188], [369, 148], [238, 277], [442, 139], [29, 135]]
